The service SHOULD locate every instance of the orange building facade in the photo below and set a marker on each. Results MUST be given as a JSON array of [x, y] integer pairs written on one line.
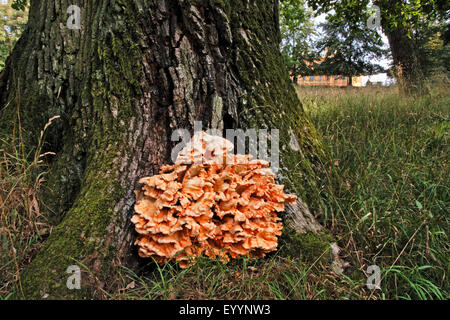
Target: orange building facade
[[328, 81]]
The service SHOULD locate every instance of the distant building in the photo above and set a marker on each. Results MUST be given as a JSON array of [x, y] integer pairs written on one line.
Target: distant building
[[329, 81]]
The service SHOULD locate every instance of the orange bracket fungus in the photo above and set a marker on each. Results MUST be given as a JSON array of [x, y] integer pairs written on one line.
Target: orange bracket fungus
[[210, 202]]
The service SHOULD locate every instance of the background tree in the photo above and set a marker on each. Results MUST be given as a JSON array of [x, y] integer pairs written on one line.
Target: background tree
[[349, 50], [398, 20], [136, 71], [434, 53], [297, 28], [12, 24]]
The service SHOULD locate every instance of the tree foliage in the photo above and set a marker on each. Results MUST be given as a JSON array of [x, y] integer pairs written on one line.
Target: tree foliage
[[407, 13], [349, 50], [398, 20], [434, 51], [297, 27], [11, 26], [19, 4]]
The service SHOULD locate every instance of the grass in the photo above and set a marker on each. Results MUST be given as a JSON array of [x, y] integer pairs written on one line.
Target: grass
[[391, 210], [23, 227], [272, 278], [392, 153]]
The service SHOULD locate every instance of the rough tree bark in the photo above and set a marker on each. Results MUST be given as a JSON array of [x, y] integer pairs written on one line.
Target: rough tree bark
[[136, 71], [409, 73]]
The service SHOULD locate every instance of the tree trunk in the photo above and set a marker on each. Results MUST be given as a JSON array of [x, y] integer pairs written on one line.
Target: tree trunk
[[136, 71], [406, 63], [408, 72]]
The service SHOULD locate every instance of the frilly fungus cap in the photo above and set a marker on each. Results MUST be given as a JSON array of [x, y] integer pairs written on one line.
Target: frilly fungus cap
[[222, 206]]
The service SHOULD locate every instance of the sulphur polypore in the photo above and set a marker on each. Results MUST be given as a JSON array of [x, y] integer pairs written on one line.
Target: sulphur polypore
[[210, 202]]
